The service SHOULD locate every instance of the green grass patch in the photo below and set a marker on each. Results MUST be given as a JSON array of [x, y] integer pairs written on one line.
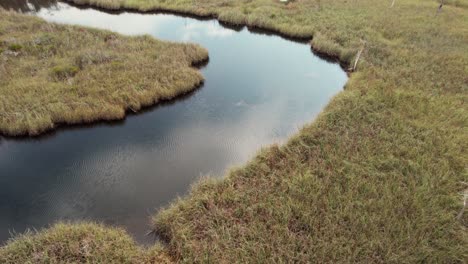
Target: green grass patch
[[15, 47]]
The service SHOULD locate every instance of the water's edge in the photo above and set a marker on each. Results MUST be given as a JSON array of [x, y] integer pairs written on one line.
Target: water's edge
[[67, 127], [333, 58]]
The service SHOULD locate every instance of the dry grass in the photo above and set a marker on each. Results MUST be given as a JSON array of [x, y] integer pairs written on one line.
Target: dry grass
[[53, 74], [378, 177], [79, 243]]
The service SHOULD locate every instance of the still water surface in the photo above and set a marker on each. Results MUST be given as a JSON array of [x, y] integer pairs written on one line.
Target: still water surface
[[259, 90]]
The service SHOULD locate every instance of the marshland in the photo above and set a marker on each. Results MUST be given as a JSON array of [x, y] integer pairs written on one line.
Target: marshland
[[53, 74], [378, 176]]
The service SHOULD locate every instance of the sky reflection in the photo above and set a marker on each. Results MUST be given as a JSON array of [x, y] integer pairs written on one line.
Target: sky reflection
[[259, 90]]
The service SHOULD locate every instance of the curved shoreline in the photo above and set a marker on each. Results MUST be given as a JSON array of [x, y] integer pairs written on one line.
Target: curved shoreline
[[72, 76], [307, 38], [384, 159], [59, 126]]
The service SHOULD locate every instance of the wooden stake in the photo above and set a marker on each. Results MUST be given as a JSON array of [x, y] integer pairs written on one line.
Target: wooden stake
[[358, 56]]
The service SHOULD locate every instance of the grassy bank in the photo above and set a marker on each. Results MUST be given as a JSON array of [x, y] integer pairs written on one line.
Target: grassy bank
[[79, 243], [379, 177], [53, 74]]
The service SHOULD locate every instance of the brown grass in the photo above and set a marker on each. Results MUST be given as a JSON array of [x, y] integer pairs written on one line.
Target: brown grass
[[79, 243]]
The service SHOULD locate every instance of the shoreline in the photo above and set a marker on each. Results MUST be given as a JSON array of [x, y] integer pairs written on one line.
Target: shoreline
[[63, 126], [304, 39], [71, 75]]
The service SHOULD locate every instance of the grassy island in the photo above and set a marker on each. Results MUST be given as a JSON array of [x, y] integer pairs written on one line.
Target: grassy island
[[379, 177], [53, 74]]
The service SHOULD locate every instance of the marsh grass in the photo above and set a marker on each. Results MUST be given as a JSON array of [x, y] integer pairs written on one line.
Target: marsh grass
[[79, 243], [53, 74], [377, 178]]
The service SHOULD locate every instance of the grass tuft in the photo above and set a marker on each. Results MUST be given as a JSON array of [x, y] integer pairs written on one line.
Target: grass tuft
[[79, 243], [63, 72], [15, 47]]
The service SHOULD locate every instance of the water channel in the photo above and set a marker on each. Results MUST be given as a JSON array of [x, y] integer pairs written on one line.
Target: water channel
[[259, 89]]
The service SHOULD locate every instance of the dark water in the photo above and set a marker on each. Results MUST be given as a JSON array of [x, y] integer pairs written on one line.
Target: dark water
[[259, 90]]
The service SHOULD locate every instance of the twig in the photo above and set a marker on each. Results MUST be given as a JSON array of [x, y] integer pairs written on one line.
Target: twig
[[358, 56], [440, 7], [465, 198], [150, 232], [393, 3]]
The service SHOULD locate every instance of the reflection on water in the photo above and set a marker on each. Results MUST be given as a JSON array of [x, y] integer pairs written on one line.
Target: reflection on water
[[258, 90]]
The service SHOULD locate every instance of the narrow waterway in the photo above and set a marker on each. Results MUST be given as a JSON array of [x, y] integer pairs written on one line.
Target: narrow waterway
[[259, 90]]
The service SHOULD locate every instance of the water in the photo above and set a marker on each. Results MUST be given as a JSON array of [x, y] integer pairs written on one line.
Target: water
[[259, 90]]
